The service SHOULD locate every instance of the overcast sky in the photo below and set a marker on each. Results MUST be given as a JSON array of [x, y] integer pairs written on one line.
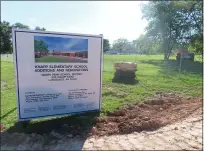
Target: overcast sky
[[113, 19]]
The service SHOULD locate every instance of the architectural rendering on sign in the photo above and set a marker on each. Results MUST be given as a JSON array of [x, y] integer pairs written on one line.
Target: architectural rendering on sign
[[60, 49], [57, 69]]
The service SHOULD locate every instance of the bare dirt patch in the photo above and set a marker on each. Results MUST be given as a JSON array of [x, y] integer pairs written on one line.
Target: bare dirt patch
[[182, 135], [186, 134], [149, 115]]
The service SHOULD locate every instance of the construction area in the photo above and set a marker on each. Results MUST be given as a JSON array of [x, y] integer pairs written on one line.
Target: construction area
[[169, 121]]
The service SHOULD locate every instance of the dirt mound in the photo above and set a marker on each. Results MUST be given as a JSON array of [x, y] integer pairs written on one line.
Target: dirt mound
[[150, 115]]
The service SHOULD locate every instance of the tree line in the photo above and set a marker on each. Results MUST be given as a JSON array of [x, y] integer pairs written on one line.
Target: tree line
[[6, 38], [171, 25], [40, 46], [6, 35]]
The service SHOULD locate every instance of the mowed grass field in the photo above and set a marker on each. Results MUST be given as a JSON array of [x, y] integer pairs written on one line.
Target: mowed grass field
[[50, 59], [153, 75]]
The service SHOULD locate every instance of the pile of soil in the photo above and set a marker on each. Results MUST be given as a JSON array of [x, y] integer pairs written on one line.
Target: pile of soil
[[149, 115]]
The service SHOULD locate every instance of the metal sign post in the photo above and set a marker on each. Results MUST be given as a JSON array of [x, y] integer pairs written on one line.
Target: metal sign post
[[181, 52], [180, 63], [102, 52]]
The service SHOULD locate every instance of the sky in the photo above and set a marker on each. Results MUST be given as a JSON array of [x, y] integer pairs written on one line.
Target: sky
[[113, 19], [64, 44]]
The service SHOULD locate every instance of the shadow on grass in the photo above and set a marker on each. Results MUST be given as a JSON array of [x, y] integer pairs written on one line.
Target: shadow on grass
[[71, 126], [126, 81], [194, 67], [9, 112], [123, 77]]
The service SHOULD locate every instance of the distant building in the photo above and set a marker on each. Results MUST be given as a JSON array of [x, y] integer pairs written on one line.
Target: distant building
[[39, 54], [83, 54], [112, 52]]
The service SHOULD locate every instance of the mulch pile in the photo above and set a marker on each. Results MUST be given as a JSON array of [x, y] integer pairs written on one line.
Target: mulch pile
[[150, 115]]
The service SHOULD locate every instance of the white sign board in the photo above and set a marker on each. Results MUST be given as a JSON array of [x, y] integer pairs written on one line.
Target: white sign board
[[57, 73]]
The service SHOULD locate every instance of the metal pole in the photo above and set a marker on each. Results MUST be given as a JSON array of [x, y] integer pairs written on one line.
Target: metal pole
[[102, 52], [103, 61], [180, 63]]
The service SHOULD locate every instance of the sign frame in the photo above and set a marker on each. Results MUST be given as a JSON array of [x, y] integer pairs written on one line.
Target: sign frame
[[15, 60]]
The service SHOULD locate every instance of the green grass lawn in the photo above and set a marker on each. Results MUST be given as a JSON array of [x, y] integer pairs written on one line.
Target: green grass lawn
[[154, 74], [49, 59]]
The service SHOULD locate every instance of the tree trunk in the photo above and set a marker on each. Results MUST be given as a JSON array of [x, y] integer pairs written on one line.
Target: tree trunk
[[165, 47], [166, 56]]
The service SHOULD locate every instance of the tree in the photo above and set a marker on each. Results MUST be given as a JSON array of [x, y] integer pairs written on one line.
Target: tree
[[196, 44], [106, 45], [121, 45], [173, 23], [143, 46], [124, 46], [193, 19], [148, 45], [20, 26], [40, 46], [5, 37], [41, 29], [162, 24], [134, 44]]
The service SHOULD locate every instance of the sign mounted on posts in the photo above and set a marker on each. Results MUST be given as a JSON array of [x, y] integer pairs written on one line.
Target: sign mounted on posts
[[57, 73]]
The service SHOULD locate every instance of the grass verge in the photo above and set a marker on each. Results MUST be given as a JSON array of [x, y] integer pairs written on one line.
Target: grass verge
[[49, 59]]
